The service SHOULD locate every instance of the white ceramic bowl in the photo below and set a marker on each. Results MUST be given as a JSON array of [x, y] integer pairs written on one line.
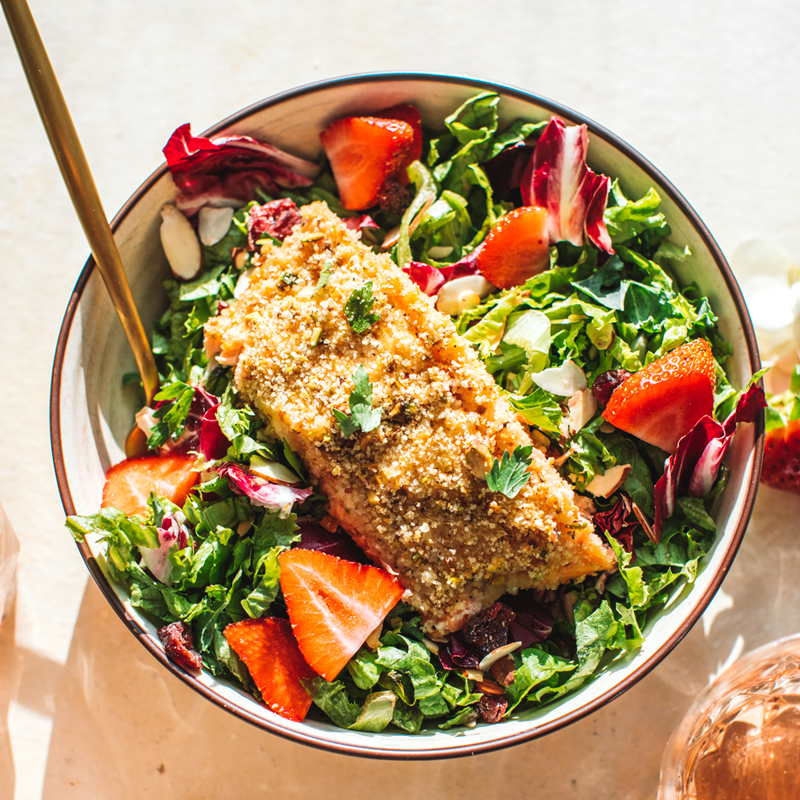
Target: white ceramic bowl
[[91, 412]]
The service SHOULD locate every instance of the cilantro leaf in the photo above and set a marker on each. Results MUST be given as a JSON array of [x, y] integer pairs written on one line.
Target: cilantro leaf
[[510, 474], [362, 415], [358, 308]]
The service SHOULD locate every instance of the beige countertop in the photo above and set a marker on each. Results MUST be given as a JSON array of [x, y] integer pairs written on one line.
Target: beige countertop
[[708, 92]]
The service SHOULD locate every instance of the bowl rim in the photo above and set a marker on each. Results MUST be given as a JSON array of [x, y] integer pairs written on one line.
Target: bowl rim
[[466, 747]]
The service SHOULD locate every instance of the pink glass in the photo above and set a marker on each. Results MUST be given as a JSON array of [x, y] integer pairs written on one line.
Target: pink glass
[[740, 739], [9, 553]]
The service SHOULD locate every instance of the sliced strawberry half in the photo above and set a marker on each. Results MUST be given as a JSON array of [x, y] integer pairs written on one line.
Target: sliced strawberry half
[[333, 605], [406, 113], [663, 401], [516, 248], [274, 661], [781, 468], [365, 152], [129, 484]]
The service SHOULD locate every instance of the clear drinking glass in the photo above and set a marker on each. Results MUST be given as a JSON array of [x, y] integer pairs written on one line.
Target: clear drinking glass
[[9, 553], [740, 740]]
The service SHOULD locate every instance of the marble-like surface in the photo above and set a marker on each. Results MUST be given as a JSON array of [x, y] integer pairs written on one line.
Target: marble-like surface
[[707, 91]]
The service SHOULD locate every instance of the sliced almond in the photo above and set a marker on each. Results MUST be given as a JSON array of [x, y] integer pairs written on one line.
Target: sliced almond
[[606, 484], [272, 471], [374, 639], [563, 381], [479, 461], [213, 224], [472, 674], [497, 654], [645, 523], [242, 282], [239, 257], [490, 687], [461, 294], [582, 408], [180, 243], [430, 645]]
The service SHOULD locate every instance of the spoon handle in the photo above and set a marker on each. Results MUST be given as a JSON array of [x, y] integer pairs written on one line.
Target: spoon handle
[[80, 183]]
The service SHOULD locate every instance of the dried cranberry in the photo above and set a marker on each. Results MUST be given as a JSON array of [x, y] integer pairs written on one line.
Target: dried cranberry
[[179, 645], [503, 670], [606, 384], [491, 708], [393, 197], [489, 630]]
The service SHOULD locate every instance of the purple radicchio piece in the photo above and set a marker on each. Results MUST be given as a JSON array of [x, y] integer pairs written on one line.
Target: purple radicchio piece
[[533, 621], [360, 221], [456, 655], [229, 170], [314, 536], [203, 405], [170, 534], [620, 521], [431, 279], [274, 496], [694, 466], [558, 180], [506, 169]]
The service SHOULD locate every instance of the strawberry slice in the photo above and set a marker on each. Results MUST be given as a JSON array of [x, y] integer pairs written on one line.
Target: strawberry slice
[[516, 248], [406, 113], [781, 468], [663, 401], [129, 483], [364, 153], [333, 605], [274, 661]]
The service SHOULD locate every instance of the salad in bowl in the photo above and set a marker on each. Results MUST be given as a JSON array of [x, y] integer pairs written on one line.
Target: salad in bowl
[[438, 448]]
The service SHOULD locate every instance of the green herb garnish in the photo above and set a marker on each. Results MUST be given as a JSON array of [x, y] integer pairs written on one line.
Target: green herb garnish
[[358, 308], [362, 415], [510, 474], [324, 276]]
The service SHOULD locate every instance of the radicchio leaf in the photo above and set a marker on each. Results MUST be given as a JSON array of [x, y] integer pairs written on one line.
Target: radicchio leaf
[[430, 279], [314, 537], [170, 533], [619, 521], [694, 466], [506, 169], [533, 622], [558, 180], [228, 170], [273, 496], [276, 218], [360, 221], [456, 655]]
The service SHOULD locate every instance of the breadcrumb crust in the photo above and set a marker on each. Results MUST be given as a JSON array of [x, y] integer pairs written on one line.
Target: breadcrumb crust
[[410, 492]]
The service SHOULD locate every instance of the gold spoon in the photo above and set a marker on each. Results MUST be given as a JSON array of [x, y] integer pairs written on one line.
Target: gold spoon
[[83, 192]]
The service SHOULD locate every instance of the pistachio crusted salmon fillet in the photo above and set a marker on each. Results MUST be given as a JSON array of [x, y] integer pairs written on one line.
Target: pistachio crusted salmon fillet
[[411, 492]]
